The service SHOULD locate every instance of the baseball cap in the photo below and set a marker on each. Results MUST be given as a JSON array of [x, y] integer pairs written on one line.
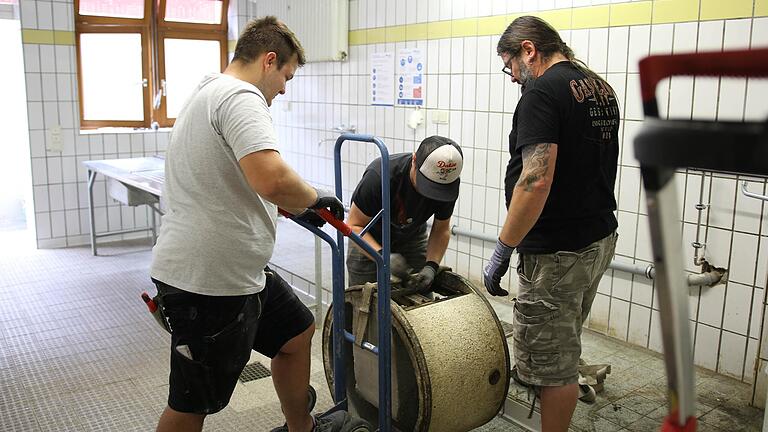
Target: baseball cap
[[438, 166]]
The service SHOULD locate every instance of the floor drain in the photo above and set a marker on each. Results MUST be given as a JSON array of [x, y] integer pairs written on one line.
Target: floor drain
[[254, 371]]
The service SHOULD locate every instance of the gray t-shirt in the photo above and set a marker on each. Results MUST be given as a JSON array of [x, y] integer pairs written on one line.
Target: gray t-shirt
[[217, 233]]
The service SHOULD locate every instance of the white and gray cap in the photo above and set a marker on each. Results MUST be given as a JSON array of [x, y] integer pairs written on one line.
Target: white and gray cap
[[438, 166]]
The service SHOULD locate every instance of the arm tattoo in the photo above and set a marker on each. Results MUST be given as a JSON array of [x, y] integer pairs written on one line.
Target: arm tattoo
[[535, 163]]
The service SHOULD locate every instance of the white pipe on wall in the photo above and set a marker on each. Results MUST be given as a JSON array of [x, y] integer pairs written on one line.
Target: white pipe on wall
[[710, 278]]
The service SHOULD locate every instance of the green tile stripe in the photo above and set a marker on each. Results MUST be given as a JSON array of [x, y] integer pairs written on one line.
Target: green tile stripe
[[47, 37], [587, 17], [61, 37]]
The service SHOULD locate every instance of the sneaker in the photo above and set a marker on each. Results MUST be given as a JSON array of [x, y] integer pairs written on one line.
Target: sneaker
[[333, 422]]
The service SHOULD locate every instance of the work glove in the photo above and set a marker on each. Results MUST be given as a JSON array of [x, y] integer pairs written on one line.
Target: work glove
[[496, 269], [327, 200], [398, 266], [423, 280], [310, 217]]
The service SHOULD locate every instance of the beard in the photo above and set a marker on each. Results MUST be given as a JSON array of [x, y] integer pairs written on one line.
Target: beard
[[526, 76]]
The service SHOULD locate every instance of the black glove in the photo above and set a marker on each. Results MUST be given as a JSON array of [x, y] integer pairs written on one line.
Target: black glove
[[423, 279], [310, 217], [398, 266], [327, 200], [497, 267]]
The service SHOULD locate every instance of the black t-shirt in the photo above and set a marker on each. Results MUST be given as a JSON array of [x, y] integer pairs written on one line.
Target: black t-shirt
[[581, 116], [409, 210]]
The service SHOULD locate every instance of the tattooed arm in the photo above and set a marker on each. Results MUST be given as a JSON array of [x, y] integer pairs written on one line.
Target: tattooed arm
[[531, 192]]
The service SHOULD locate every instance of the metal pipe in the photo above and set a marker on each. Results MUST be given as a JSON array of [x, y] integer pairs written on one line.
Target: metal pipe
[[91, 219], [750, 194], [710, 278], [700, 207], [646, 270], [458, 231]]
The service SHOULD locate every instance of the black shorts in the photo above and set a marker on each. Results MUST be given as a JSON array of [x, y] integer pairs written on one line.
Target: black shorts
[[212, 338]]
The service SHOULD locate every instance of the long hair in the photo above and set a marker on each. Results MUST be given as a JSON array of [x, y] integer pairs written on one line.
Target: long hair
[[546, 40], [268, 34]]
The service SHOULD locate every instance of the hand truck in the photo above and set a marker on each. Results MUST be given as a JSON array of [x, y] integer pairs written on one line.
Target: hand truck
[[664, 146], [341, 337]]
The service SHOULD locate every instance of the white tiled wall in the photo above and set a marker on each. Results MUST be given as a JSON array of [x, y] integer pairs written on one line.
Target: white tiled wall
[[59, 178], [462, 76]]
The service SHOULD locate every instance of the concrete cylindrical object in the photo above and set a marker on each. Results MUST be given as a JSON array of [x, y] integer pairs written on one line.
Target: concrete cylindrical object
[[450, 360]]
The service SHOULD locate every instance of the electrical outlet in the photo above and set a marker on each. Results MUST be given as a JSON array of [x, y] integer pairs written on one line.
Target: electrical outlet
[[55, 141], [440, 117]]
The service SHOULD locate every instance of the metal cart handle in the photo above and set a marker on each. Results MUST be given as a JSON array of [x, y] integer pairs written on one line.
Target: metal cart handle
[[743, 63], [327, 216]]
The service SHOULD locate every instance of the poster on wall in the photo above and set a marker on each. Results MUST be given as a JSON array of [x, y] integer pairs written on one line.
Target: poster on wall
[[410, 77], [382, 79]]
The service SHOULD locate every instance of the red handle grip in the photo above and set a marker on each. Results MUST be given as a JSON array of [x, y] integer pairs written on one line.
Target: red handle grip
[[343, 228], [151, 305], [671, 425], [742, 63], [339, 224]]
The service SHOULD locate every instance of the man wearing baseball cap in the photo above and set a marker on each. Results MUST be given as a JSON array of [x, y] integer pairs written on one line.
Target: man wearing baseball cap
[[422, 185]]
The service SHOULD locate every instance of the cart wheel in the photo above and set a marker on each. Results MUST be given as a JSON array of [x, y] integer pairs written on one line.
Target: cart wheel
[[358, 425]]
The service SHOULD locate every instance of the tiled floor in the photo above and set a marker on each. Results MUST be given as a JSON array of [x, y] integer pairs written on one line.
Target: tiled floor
[[634, 398], [79, 352]]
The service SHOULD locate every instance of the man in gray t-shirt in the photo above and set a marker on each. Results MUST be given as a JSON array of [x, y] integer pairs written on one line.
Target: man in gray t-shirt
[[224, 182]]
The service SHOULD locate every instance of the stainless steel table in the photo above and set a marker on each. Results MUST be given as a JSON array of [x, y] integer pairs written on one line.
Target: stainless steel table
[[133, 182]]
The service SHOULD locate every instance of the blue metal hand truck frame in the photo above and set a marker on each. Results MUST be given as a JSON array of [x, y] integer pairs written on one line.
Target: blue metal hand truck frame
[[340, 335]]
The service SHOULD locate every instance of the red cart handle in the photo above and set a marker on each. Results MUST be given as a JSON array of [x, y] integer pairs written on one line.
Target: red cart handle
[[339, 224], [742, 63]]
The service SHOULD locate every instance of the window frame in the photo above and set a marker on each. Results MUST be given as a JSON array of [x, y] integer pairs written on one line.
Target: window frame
[[153, 34], [183, 30]]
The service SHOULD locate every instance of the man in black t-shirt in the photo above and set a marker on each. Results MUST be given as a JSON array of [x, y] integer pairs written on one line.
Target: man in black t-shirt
[[560, 203], [421, 185]]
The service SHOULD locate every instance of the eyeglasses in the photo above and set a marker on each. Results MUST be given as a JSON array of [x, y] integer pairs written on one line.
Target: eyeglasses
[[506, 69]]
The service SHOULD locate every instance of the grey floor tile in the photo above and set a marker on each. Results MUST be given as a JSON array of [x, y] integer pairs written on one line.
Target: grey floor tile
[[79, 352], [645, 424], [638, 404], [618, 414]]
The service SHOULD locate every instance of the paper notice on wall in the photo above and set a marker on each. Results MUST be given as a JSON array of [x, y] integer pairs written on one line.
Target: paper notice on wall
[[382, 78], [410, 77]]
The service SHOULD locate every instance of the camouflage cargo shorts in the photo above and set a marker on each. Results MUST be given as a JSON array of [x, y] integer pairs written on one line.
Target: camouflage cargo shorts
[[555, 295]]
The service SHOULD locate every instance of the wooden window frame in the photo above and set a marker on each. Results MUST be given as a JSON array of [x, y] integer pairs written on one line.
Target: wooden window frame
[[153, 35], [184, 30]]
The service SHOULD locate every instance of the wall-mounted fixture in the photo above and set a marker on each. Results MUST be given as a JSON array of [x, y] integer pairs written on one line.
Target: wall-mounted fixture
[[342, 128], [416, 118]]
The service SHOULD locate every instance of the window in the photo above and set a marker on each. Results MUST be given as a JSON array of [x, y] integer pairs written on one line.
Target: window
[[139, 60]]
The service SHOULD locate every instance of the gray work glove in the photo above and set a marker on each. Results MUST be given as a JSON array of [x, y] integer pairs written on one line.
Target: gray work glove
[[423, 280], [327, 200], [496, 269], [398, 266]]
